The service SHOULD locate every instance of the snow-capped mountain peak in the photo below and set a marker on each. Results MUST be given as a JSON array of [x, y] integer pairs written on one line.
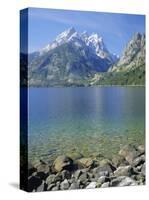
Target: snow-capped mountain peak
[[94, 42], [60, 39], [64, 36], [95, 37]]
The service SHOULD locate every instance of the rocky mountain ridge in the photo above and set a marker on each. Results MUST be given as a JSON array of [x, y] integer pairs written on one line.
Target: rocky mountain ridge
[[71, 58], [80, 59], [130, 69], [133, 55]]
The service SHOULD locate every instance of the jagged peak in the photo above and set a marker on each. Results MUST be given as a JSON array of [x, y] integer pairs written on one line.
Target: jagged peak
[[84, 34], [67, 33], [60, 39], [71, 30], [135, 40], [93, 41], [137, 36], [95, 36]]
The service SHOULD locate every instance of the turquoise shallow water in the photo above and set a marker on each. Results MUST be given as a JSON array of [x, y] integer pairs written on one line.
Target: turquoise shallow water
[[84, 119]]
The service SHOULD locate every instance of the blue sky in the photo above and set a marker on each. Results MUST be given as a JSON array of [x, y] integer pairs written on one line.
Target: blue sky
[[116, 29]]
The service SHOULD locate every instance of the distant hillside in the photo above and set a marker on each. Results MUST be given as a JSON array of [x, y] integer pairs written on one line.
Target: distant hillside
[[130, 69]]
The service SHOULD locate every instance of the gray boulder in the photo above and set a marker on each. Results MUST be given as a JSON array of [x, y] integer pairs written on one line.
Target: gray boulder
[[123, 171], [123, 181], [41, 187], [143, 169], [77, 174], [105, 185], [104, 169], [64, 185], [118, 160], [102, 180], [53, 178], [55, 188], [51, 186], [65, 174], [91, 185], [84, 178], [100, 171], [138, 161], [50, 179], [75, 185]]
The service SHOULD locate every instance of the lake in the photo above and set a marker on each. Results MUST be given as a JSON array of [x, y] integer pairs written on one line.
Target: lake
[[89, 120]]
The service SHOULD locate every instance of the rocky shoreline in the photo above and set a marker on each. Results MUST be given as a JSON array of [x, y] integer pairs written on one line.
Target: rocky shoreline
[[127, 168]]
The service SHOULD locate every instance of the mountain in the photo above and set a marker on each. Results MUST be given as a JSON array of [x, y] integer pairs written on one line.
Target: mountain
[[80, 59], [130, 69], [98, 47], [93, 41], [133, 55], [72, 58]]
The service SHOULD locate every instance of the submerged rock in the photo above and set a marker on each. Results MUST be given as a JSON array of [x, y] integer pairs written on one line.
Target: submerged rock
[[85, 162], [43, 168], [74, 155], [129, 152], [125, 169], [141, 149], [118, 160], [63, 163], [37, 162]]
